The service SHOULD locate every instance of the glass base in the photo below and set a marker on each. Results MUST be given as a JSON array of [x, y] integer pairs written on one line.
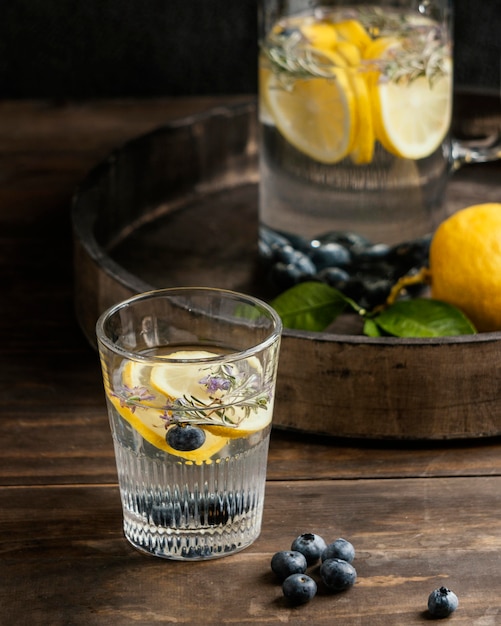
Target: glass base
[[194, 545]]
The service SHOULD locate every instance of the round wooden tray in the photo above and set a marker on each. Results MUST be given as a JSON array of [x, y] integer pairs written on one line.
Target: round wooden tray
[[179, 207]]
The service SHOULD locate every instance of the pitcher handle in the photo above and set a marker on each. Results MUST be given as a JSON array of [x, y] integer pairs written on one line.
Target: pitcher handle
[[475, 150]]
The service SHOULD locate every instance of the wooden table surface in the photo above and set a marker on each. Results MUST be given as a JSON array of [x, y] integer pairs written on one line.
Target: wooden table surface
[[420, 516]]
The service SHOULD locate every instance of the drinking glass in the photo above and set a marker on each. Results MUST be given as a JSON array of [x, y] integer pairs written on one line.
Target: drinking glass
[[189, 376]]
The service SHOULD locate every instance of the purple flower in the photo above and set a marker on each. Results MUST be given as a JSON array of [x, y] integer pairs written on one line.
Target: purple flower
[[133, 397], [215, 383]]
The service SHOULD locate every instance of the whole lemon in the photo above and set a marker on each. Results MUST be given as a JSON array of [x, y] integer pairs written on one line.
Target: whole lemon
[[465, 264]]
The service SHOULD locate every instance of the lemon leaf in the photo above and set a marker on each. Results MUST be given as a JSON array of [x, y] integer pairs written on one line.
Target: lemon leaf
[[371, 329], [423, 317], [310, 306]]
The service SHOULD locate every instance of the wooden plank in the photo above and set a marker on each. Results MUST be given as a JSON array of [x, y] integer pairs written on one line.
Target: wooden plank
[[64, 560], [50, 441]]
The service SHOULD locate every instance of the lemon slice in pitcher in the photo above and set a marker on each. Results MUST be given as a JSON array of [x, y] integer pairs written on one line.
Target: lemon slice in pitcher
[[411, 118], [315, 115], [363, 149]]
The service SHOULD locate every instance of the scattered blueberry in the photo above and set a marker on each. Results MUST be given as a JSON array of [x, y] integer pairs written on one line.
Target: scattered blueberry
[[299, 588], [311, 545], [337, 574], [442, 602], [339, 549], [288, 562], [184, 437]]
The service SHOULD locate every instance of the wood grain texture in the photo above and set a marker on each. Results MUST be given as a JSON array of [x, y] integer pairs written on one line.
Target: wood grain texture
[[64, 548], [419, 514]]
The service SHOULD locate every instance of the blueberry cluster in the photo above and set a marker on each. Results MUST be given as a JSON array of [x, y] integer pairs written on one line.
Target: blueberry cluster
[[361, 270], [336, 571]]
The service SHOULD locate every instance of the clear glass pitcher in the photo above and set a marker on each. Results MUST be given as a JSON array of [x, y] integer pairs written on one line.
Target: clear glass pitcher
[[355, 106]]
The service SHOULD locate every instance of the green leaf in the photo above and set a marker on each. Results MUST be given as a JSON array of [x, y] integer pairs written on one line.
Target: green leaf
[[310, 306], [371, 329], [423, 317]]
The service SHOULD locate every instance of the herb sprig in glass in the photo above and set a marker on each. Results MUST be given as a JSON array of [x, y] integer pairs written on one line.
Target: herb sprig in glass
[[230, 398]]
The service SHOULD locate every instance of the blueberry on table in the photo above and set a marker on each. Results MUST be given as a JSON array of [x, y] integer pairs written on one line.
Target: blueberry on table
[[311, 545], [339, 549], [337, 574], [299, 588], [288, 562], [442, 602], [185, 437]]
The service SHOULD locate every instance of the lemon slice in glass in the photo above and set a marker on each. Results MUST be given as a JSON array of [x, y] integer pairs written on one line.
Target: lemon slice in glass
[[315, 115], [252, 423], [148, 423], [412, 118], [136, 374], [177, 380]]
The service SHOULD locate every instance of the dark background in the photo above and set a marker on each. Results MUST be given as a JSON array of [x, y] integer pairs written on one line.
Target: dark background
[[139, 48]]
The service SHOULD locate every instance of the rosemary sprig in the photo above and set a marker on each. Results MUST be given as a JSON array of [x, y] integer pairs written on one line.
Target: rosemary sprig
[[231, 397], [421, 52]]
